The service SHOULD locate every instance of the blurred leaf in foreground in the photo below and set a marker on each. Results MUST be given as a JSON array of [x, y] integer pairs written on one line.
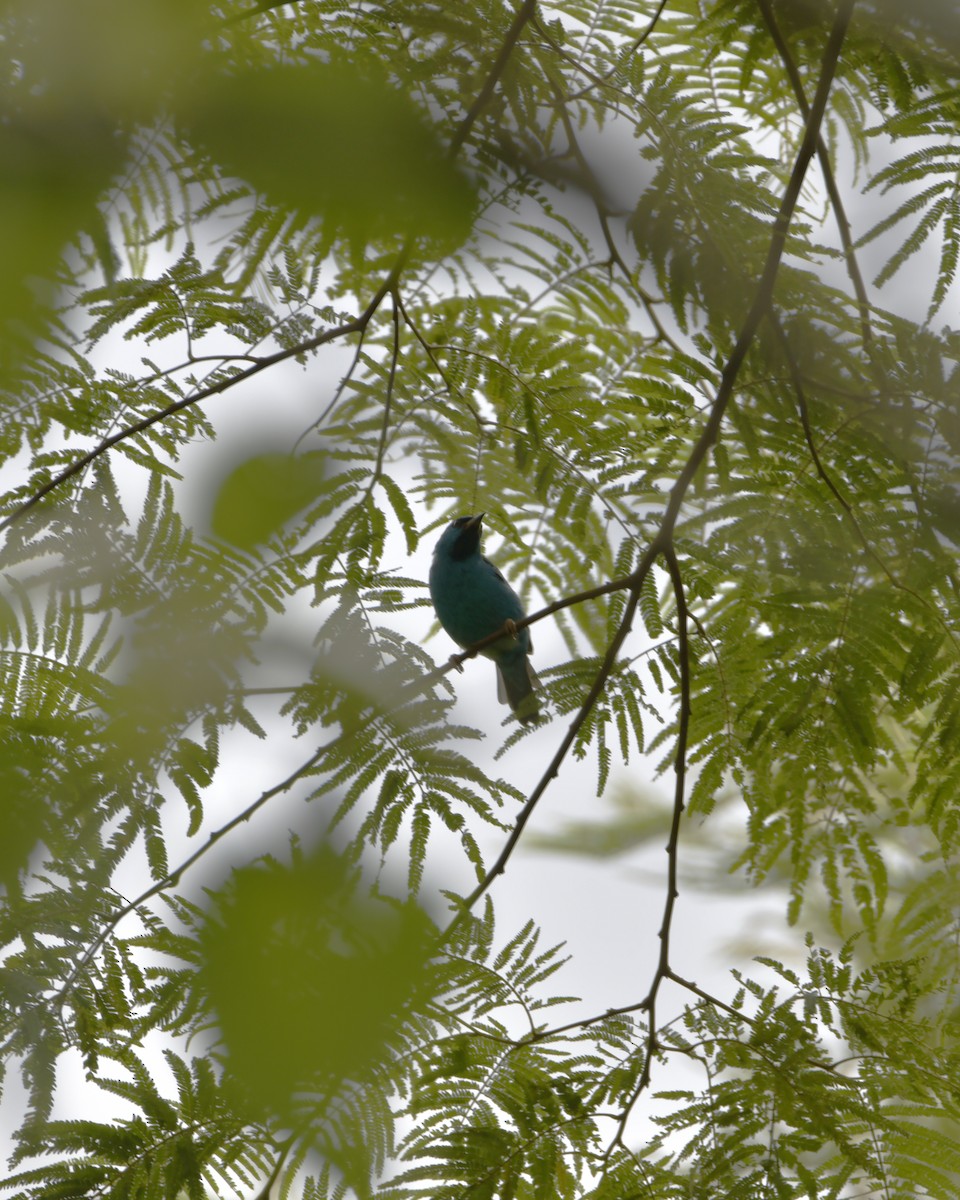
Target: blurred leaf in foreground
[[262, 493], [309, 974], [339, 141]]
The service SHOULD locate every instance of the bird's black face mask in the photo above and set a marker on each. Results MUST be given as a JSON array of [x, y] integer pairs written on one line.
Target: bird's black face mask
[[469, 539]]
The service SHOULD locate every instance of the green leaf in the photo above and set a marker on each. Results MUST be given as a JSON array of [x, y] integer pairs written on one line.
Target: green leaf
[[310, 976], [260, 495]]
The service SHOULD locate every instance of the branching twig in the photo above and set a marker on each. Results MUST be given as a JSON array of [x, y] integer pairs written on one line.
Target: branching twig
[[388, 400], [707, 998], [335, 398], [357, 325], [796, 378], [635, 583], [283, 1154], [760, 306], [595, 79], [524, 15], [595, 191]]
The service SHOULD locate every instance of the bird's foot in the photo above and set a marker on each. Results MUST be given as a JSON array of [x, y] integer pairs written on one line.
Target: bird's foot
[[455, 662], [511, 627]]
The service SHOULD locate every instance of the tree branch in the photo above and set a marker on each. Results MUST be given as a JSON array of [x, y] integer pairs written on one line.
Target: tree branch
[[662, 543], [768, 277], [388, 399], [173, 877], [846, 507], [594, 190], [553, 768], [358, 325]]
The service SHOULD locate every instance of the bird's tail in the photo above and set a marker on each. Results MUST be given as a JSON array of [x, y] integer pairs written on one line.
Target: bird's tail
[[516, 680]]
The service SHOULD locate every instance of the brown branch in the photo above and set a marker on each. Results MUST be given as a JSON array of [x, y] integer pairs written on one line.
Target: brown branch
[[553, 768], [358, 325], [388, 400], [635, 582], [283, 1154], [707, 998], [595, 191], [673, 843], [768, 277], [662, 543], [524, 14], [823, 157], [335, 398], [455, 661], [577, 63], [758, 309], [543, 1035]]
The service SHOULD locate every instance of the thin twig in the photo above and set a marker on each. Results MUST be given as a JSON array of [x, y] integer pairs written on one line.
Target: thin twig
[[595, 191], [388, 400], [768, 277], [758, 309], [553, 768], [662, 542], [357, 325], [707, 998], [284, 1149], [331, 404], [595, 79], [796, 378]]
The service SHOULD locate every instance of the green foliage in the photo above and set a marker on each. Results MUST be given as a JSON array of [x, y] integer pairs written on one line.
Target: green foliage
[[308, 977], [415, 261]]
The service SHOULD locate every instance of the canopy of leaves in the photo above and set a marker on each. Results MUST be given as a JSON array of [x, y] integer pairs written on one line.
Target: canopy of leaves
[[666, 289]]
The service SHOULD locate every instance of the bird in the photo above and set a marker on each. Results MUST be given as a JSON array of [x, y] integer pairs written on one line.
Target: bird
[[472, 600]]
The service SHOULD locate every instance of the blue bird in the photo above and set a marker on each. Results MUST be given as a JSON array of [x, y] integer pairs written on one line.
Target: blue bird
[[472, 600]]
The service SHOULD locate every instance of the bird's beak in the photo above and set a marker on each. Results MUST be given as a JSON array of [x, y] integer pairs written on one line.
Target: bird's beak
[[475, 522]]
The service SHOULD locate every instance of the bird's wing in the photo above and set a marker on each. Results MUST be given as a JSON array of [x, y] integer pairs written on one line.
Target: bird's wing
[[495, 570], [498, 574]]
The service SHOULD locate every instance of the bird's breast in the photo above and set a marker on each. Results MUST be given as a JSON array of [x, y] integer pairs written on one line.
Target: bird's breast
[[472, 602]]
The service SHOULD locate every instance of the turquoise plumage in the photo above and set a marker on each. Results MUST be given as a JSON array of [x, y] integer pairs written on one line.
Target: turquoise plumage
[[472, 600]]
